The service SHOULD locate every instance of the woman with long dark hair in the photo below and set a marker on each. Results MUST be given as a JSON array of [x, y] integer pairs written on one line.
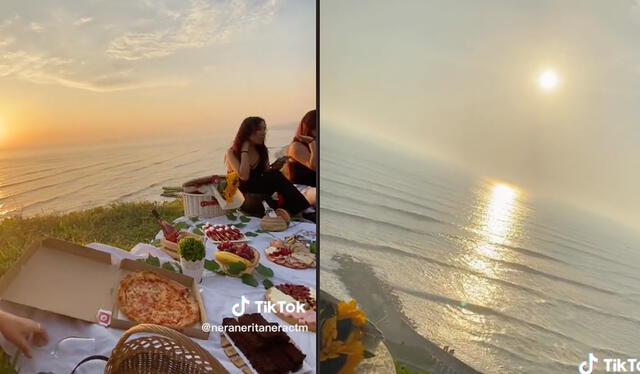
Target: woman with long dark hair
[[248, 156], [303, 154]]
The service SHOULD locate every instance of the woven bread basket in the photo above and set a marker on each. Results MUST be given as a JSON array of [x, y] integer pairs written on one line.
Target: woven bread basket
[[161, 350]]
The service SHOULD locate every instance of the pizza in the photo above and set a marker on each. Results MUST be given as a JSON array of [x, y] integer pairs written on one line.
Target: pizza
[[146, 297], [284, 294], [294, 254]]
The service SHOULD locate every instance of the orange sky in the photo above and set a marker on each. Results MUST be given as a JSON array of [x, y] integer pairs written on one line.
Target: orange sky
[[87, 72]]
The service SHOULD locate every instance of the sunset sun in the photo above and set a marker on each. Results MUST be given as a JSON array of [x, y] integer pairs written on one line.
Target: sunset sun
[[548, 80]]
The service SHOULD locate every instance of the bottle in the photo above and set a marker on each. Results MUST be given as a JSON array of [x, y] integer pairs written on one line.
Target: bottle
[[170, 232], [268, 211]]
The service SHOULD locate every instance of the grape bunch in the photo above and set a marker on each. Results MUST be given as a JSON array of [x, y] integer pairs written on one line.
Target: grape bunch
[[243, 250]]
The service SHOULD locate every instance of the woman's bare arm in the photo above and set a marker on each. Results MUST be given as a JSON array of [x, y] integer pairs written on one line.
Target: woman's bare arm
[[314, 153], [242, 166], [301, 154]]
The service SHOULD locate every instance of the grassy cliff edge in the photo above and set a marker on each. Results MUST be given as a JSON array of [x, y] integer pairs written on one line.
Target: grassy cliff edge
[[121, 225]]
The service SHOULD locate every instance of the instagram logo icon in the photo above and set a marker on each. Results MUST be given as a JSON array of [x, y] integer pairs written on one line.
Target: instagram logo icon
[[586, 367]]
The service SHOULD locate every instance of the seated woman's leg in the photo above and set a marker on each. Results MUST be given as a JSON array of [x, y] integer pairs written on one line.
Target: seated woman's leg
[[294, 201], [253, 204]]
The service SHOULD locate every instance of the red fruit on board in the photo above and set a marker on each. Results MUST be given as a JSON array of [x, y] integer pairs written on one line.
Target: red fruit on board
[[248, 255], [296, 291]]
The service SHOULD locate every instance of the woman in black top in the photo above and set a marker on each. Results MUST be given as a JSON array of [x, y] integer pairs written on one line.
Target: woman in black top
[[248, 156], [303, 154]]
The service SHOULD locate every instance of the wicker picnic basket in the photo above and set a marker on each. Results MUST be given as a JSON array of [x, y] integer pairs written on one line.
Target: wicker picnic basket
[[198, 199], [201, 205], [161, 350]]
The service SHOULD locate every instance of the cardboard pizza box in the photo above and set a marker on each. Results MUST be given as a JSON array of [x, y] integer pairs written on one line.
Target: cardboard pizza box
[[127, 266], [78, 282]]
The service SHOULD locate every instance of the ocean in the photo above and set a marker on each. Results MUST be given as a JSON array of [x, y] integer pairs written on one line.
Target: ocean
[[70, 178], [437, 257]]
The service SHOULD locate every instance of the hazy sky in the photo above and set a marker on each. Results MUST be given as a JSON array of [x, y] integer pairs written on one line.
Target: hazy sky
[[457, 80], [100, 69]]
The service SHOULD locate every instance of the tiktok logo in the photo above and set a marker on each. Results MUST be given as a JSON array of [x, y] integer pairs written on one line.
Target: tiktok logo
[[238, 308], [586, 367]]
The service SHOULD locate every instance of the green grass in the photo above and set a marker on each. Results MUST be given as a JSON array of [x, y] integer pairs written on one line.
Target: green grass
[[401, 369], [7, 363], [121, 225]]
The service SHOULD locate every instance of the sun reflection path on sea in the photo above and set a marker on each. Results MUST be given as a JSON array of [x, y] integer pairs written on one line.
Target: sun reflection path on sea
[[500, 214], [497, 221]]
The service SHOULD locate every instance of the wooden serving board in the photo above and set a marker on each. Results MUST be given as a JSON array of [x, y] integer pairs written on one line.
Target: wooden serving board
[[233, 355], [171, 248]]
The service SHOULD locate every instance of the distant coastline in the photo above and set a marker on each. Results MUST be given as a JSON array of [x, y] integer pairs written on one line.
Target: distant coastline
[[383, 308]]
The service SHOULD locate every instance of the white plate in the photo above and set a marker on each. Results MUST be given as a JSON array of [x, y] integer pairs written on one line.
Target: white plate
[[244, 240]]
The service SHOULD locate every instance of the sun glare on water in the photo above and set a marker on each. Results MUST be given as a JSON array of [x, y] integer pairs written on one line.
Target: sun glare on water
[[548, 80], [497, 222], [499, 214]]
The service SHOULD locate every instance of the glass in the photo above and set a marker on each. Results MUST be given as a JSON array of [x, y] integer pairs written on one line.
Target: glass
[[71, 346]]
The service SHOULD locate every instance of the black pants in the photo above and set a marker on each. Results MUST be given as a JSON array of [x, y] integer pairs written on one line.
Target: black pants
[[266, 184]]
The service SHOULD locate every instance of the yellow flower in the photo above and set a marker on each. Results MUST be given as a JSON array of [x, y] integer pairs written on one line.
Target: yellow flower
[[233, 181], [354, 350], [329, 331], [353, 360], [333, 350], [351, 311]]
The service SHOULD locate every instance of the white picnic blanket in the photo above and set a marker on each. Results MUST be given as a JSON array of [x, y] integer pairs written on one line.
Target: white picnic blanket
[[219, 294]]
